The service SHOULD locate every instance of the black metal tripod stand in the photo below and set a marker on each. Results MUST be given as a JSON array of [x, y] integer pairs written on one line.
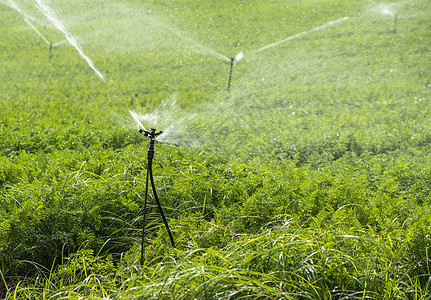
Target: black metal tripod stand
[[152, 135]]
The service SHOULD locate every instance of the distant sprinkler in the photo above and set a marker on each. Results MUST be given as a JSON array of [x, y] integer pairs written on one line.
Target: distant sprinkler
[[386, 10], [232, 59], [40, 34], [230, 73]]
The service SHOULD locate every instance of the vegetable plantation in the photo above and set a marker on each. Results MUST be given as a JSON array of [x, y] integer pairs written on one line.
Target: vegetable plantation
[[310, 178]]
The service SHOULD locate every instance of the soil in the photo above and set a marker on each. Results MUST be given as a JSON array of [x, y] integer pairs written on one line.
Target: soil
[[11, 283]]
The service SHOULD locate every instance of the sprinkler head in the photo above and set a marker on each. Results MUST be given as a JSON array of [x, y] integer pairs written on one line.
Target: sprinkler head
[[144, 132], [149, 134]]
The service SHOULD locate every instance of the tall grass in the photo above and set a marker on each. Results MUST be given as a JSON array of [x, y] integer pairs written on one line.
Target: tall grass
[[324, 261], [309, 180]]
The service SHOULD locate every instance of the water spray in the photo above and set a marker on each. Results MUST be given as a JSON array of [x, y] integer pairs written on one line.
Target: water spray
[[330, 23], [15, 7], [388, 10], [41, 36], [37, 31], [152, 136], [52, 17], [182, 36]]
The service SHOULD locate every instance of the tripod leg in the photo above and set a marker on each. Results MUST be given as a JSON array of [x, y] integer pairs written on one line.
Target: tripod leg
[[145, 214], [160, 207]]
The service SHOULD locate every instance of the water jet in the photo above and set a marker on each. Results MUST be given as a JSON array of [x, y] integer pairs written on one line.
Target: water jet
[[15, 7], [37, 31], [330, 23], [198, 45], [388, 10], [52, 17], [41, 36]]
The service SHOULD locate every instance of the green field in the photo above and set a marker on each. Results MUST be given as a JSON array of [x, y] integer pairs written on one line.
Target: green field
[[309, 179]]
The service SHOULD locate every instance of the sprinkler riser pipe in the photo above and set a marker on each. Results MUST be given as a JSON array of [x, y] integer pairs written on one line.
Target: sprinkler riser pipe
[[150, 155], [230, 73]]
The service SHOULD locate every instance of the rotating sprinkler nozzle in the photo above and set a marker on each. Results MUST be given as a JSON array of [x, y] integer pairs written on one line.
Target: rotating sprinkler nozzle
[[152, 135], [148, 133]]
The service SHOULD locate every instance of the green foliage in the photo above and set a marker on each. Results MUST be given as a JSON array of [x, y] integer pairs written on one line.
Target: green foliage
[[285, 261], [309, 180], [81, 265]]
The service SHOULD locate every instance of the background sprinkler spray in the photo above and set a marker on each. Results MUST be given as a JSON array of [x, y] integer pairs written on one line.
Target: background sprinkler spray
[[152, 135], [388, 11], [52, 17], [40, 34]]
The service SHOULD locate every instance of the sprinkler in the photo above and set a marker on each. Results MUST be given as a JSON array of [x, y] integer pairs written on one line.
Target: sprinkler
[[232, 59], [230, 73], [152, 136], [50, 50]]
